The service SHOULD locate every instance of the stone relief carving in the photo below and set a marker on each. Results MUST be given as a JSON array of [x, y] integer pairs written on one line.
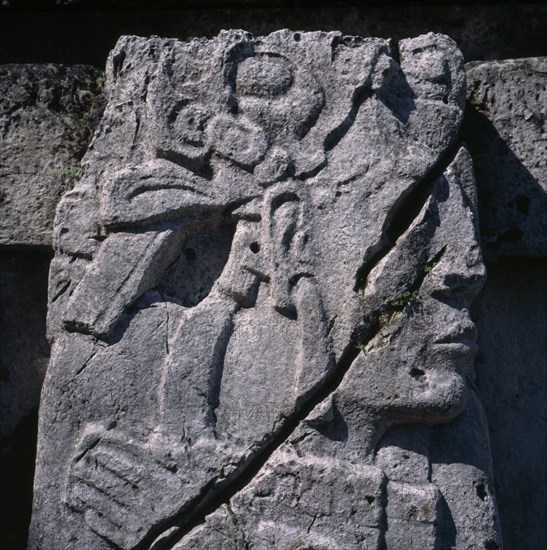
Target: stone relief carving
[[266, 267]]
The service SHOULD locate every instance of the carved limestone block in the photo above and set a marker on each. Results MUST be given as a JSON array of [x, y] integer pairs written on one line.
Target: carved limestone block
[[266, 267]]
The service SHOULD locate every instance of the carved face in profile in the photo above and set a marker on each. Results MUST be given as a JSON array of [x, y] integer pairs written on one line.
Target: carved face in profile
[[260, 247], [413, 368], [418, 343], [425, 344]]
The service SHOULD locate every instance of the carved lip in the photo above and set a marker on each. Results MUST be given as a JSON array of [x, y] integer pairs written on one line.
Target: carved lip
[[464, 346], [462, 338]]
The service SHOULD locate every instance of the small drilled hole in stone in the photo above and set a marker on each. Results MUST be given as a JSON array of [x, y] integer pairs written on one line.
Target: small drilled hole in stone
[[481, 491], [296, 37], [255, 247], [417, 373]]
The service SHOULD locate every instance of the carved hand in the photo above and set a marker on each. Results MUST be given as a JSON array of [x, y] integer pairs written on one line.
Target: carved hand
[[121, 489]]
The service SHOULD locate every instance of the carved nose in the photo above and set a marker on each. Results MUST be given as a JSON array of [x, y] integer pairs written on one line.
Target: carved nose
[[457, 278]]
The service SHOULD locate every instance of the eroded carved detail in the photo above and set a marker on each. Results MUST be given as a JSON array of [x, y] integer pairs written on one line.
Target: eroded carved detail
[[261, 272]]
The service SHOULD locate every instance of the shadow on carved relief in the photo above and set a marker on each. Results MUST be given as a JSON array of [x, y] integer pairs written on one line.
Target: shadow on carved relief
[[513, 222], [243, 315]]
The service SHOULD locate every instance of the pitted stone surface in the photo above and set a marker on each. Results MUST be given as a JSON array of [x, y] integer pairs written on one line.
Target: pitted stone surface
[[47, 116], [261, 271], [505, 131], [328, 485]]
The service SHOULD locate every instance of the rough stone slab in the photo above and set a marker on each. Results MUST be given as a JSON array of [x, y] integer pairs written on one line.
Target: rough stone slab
[[47, 116], [266, 264], [431, 487], [506, 134]]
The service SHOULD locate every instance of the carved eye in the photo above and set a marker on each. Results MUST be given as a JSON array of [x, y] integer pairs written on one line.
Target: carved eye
[[263, 76]]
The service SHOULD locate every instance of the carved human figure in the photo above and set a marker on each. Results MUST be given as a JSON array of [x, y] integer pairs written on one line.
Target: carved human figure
[[326, 486], [254, 258]]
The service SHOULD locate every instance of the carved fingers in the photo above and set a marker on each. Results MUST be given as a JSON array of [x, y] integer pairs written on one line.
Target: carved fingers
[[115, 483]]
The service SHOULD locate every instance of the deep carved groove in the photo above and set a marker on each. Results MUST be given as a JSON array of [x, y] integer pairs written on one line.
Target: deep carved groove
[[403, 213], [221, 492], [227, 303]]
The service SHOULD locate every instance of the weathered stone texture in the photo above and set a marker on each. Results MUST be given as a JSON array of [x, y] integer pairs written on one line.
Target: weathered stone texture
[[319, 489], [505, 130], [47, 116], [506, 133], [266, 265]]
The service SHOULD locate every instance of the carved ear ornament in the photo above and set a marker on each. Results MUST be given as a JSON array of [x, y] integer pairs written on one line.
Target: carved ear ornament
[[285, 221]]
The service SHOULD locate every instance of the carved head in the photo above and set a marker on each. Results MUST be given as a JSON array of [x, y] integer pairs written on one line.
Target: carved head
[[425, 342], [261, 222]]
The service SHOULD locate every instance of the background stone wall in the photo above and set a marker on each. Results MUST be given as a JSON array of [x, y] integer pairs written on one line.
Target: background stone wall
[[505, 131]]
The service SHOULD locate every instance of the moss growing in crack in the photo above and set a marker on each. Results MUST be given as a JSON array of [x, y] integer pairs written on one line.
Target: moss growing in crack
[[66, 171], [386, 317], [483, 109], [403, 300], [428, 268], [360, 346], [100, 80], [231, 513]]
